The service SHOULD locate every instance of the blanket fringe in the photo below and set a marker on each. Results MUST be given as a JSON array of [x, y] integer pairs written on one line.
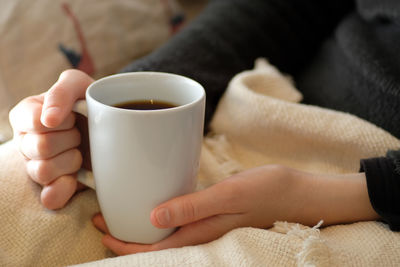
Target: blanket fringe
[[217, 162], [220, 148], [314, 251]]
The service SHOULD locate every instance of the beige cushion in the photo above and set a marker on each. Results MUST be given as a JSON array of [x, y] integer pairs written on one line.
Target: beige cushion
[[115, 32]]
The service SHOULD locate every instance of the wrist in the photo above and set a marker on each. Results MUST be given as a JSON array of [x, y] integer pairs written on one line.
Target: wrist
[[337, 199]]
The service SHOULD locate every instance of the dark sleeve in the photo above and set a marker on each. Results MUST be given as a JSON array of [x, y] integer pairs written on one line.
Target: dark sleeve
[[383, 182], [229, 35]]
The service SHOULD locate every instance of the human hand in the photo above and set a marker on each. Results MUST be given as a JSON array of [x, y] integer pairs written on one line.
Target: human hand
[[254, 198], [46, 132]]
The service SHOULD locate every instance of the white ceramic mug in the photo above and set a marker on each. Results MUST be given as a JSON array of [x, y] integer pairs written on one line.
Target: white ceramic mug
[[141, 158]]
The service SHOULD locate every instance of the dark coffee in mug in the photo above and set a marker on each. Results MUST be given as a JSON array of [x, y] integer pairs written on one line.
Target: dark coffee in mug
[[145, 105]]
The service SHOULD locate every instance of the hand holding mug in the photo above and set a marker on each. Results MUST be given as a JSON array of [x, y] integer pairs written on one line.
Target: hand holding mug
[[145, 133], [140, 158], [45, 130], [254, 198], [44, 127]]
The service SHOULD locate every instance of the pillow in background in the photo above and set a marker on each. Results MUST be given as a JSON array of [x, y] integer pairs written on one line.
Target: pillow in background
[[41, 38]]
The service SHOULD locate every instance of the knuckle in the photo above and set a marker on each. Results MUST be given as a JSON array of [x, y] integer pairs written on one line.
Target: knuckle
[[40, 171], [188, 210], [69, 72], [280, 177], [72, 74], [64, 75], [49, 200], [57, 194], [34, 118], [20, 118], [75, 74], [274, 167], [277, 170], [11, 117], [43, 145], [77, 159], [18, 140]]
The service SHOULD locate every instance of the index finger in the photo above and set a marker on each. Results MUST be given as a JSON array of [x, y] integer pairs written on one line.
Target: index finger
[[218, 199]]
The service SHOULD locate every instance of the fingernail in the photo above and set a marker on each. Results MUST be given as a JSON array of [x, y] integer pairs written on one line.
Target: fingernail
[[163, 216]]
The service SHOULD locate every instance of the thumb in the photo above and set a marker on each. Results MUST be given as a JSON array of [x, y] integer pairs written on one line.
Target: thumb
[[190, 208], [60, 98]]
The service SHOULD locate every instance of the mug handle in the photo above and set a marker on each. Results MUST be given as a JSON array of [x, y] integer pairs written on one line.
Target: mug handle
[[84, 176]]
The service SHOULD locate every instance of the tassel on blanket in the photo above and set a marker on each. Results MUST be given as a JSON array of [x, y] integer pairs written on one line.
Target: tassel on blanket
[[314, 249]]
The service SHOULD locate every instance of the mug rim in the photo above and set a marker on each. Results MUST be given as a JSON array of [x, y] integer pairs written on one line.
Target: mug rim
[[149, 73]]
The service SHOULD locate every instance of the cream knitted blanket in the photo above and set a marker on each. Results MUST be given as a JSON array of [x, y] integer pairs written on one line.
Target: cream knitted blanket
[[258, 121]]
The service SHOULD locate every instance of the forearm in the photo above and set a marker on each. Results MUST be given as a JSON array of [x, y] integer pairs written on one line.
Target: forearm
[[335, 199]]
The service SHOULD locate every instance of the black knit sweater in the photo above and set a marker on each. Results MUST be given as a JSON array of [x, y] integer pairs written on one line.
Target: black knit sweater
[[343, 55]]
